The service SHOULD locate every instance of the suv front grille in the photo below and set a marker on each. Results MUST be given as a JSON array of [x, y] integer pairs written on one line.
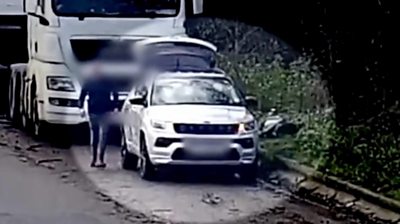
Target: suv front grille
[[206, 129], [183, 154]]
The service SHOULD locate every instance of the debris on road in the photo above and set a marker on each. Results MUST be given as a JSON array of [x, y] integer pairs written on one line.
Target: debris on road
[[162, 210], [23, 159], [64, 175], [211, 199], [34, 148], [48, 166], [18, 148], [52, 160], [278, 210]]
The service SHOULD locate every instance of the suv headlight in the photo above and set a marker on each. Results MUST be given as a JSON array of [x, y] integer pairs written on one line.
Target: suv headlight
[[64, 84], [247, 126], [159, 125]]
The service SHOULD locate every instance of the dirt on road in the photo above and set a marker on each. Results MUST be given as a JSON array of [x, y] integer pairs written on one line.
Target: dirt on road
[[34, 174]]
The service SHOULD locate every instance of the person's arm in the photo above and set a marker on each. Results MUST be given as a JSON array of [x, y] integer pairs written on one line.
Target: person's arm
[[116, 99], [83, 95]]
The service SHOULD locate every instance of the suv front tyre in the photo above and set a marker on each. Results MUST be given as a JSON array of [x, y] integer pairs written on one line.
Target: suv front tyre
[[249, 173], [129, 160], [147, 170]]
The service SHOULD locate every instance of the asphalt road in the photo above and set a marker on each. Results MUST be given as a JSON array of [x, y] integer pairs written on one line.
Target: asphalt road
[[59, 192], [32, 195]]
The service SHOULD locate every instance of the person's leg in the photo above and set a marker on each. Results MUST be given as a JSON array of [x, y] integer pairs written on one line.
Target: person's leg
[[94, 137], [103, 139]]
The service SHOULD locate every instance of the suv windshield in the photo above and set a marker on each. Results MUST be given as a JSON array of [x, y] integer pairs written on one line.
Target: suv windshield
[[203, 91], [117, 8]]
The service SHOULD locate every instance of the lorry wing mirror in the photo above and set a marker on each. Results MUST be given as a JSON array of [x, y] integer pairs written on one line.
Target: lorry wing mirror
[[197, 7], [42, 20]]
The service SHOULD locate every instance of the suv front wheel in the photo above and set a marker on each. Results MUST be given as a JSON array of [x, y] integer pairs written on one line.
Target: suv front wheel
[[129, 160], [249, 173], [147, 170]]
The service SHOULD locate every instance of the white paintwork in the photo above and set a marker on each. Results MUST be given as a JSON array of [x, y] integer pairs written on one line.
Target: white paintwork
[[11, 7], [176, 39], [139, 119], [50, 52]]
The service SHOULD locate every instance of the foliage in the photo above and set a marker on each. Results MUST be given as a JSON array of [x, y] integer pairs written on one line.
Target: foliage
[[367, 157], [367, 154], [313, 142]]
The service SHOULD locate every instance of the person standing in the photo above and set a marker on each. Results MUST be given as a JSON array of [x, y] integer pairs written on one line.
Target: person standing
[[100, 105]]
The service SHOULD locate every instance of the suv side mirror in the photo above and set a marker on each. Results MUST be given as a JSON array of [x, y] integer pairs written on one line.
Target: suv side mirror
[[251, 102], [138, 101]]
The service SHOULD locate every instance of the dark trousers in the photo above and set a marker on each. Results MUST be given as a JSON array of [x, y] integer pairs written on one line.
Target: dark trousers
[[98, 134]]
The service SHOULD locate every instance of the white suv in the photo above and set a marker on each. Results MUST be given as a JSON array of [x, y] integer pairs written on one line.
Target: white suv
[[189, 119]]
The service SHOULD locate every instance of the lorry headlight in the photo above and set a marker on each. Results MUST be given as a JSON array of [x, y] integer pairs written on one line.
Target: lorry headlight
[[64, 84]]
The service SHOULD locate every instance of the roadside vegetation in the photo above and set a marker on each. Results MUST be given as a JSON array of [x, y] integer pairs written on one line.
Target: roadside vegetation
[[367, 154]]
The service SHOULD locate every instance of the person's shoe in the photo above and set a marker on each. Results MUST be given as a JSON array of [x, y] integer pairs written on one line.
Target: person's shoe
[[93, 165], [102, 165]]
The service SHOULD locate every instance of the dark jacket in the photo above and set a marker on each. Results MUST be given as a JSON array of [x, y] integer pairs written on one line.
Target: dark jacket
[[99, 92]]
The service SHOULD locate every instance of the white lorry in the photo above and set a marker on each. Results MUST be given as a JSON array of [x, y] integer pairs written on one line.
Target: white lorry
[[62, 34]]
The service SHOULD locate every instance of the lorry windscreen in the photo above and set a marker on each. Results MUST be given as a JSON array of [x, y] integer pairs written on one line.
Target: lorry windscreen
[[116, 8]]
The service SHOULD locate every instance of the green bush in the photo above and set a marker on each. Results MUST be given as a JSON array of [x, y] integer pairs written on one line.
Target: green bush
[[367, 154]]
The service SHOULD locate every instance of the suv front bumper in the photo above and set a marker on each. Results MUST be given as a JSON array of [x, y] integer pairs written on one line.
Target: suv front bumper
[[242, 150]]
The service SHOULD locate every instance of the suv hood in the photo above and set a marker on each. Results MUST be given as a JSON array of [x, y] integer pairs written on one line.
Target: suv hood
[[198, 114]]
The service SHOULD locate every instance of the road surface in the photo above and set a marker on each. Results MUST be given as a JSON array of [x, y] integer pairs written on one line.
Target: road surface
[[32, 195], [36, 191]]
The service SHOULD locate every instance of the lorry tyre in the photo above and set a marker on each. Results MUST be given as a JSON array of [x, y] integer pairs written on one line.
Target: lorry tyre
[[10, 100], [24, 120], [38, 126], [147, 170], [14, 112], [129, 160]]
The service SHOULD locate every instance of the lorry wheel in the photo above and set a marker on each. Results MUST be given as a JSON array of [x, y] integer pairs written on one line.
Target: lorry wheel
[[14, 113], [24, 120], [37, 125], [10, 100], [129, 160], [147, 170]]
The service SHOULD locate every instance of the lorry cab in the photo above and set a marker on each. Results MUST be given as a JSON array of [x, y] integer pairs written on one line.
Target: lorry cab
[[63, 35], [72, 31]]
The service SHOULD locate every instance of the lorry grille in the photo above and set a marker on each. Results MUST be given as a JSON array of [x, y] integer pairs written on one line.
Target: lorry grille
[[88, 50], [206, 129]]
